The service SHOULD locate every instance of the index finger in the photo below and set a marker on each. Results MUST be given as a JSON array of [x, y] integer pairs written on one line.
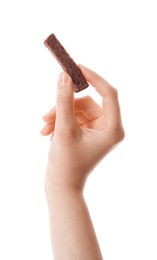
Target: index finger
[[110, 103]]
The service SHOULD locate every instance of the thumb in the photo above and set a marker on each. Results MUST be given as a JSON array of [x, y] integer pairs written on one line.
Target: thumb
[[65, 101]]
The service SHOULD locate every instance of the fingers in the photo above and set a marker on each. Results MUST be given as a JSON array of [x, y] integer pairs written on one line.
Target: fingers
[[100, 84], [83, 109], [50, 117], [47, 129], [88, 108], [81, 119], [110, 104], [61, 116], [64, 102]]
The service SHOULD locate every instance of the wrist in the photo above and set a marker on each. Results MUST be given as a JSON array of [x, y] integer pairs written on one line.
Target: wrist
[[58, 191], [56, 179], [55, 185]]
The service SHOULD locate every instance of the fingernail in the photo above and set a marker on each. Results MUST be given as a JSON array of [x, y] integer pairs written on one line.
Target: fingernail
[[63, 78]]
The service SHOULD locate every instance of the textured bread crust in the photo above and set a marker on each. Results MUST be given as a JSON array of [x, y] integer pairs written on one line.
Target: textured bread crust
[[66, 62]]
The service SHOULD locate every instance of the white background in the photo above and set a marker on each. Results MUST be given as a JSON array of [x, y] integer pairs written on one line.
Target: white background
[[118, 39]]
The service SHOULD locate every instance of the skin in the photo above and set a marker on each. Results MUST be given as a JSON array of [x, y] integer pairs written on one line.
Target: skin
[[82, 133]]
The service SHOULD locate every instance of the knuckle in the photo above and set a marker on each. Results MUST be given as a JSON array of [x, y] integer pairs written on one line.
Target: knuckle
[[88, 99], [63, 99], [117, 134], [65, 132], [114, 91], [121, 134]]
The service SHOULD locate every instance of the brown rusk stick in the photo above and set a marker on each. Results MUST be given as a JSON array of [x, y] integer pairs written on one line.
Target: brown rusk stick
[[66, 62]]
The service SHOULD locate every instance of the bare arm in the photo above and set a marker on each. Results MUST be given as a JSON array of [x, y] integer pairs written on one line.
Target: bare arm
[[72, 232], [82, 134]]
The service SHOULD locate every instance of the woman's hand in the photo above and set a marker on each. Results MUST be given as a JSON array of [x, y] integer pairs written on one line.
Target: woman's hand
[[82, 131]]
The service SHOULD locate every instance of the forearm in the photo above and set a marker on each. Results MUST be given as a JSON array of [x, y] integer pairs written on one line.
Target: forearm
[[72, 232]]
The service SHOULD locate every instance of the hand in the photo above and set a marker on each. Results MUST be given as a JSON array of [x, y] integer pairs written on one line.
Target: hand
[[82, 131]]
